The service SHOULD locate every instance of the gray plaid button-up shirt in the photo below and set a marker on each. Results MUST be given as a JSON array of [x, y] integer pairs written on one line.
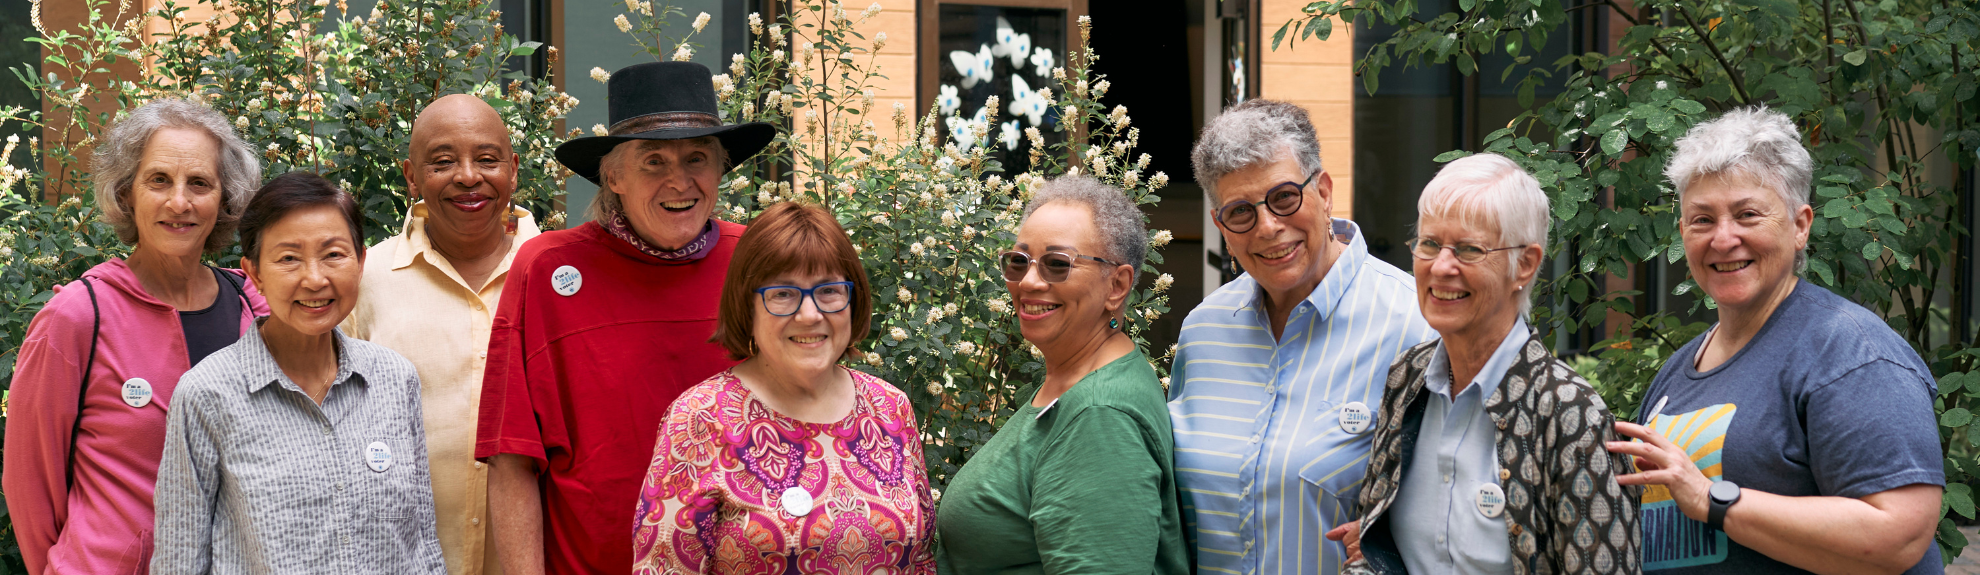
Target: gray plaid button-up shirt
[[258, 478]]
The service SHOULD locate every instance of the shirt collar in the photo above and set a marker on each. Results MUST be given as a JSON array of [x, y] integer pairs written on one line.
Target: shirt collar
[[263, 371], [1437, 377], [418, 244], [1334, 286]]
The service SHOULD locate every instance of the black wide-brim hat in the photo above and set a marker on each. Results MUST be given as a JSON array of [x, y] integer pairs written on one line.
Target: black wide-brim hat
[[663, 101]]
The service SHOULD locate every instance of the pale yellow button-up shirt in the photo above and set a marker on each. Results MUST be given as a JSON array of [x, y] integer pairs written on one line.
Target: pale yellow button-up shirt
[[413, 301]]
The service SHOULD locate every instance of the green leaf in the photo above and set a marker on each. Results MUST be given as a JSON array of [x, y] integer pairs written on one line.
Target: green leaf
[[1873, 250], [1450, 155], [1956, 417], [1614, 141], [1688, 106], [1823, 272], [1856, 58], [1952, 382], [1959, 497], [1466, 5]]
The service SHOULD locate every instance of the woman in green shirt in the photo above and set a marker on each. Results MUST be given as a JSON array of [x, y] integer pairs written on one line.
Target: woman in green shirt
[[1081, 479]]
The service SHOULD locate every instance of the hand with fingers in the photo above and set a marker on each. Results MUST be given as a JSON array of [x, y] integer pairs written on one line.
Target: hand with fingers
[[1350, 535], [1660, 462]]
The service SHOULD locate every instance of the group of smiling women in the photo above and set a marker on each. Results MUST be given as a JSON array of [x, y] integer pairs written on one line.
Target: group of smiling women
[[662, 392]]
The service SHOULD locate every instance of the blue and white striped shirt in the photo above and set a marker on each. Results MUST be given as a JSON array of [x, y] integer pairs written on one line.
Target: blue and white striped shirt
[[1264, 464]]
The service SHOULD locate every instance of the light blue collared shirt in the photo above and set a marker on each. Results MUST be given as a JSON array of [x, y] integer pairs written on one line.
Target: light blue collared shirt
[[1263, 462], [1437, 521]]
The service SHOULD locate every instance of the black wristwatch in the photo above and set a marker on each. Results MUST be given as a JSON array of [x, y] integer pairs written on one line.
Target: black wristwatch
[[1723, 495]]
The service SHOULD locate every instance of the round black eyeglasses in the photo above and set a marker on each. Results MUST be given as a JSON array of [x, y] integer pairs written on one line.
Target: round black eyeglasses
[[1284, 200]]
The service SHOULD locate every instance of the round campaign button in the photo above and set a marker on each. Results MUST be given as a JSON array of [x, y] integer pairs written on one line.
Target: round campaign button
[[1491, 500], [797, 502], [137, 392], [566, 281], [1355, 417], [378, 456]]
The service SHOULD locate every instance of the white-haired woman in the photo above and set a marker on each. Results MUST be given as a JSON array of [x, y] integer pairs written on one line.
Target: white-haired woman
[[96, 372], [1081, 479], [1488, 450], [1797, 434]]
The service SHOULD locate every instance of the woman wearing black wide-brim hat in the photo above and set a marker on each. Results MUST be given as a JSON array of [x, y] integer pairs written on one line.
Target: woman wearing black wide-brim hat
[[601, 326]]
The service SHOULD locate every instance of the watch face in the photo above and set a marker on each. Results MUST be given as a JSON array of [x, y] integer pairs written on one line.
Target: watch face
[[1724, 491]]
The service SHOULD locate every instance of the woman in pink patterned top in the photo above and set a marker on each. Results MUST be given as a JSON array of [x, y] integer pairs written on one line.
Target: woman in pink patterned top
[[788, 462]]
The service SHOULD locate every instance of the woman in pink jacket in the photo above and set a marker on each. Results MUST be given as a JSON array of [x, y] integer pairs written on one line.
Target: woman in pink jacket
[[172, 178]]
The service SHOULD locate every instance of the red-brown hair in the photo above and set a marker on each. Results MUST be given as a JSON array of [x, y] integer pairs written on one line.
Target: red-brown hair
[[788, 237]]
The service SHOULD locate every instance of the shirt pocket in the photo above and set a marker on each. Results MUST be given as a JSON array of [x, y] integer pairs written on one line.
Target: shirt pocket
[[1335, 460], [391, 496]]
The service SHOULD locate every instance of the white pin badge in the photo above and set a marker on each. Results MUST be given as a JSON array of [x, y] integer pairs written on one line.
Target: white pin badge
[[566, 281], [1491, 500], [137, 392], [378, 456], [797, 502], [1355, 417]]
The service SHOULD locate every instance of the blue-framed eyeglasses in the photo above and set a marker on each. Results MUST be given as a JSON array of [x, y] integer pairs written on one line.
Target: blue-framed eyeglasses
[[832, 297]]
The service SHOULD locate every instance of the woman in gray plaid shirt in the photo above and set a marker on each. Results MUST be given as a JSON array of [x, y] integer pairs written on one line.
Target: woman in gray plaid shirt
[[297, 449]]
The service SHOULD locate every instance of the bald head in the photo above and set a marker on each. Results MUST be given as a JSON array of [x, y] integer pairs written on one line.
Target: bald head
[[455, 112], [461, 164]]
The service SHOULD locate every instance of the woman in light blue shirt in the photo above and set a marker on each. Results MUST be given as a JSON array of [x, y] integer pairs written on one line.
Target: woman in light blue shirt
[[1488, 455]]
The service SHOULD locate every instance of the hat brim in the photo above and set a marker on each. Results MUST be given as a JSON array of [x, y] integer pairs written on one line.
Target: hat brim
[[741, 141]]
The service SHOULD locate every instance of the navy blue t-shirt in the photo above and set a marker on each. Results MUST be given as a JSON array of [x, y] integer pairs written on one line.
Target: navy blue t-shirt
[[1826, 400]]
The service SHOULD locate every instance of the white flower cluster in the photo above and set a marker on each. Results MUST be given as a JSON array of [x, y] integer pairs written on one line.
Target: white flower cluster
[[623, 24], [1000, 305], [683, 53], [700, 22], [755, 23], [897, 334], [1162, 282], [600, 74], [1161, 238], [904, 295], [965, 348], [639, 7]]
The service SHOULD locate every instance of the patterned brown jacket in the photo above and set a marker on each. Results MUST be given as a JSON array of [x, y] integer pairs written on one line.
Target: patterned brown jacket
[[1564, 511]]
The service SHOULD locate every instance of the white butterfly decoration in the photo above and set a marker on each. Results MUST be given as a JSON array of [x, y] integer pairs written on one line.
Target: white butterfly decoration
[[1041, 60], [972, 132], [1010, 135], [974, 68], [948, 100], [1010, 43], [1027, 102]]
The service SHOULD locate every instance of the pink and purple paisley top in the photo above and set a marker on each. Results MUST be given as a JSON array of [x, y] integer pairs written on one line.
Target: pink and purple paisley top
[[713, 498]]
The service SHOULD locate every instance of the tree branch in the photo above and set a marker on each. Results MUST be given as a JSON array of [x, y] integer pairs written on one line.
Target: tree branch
[[1705, 35], [1612, 5]]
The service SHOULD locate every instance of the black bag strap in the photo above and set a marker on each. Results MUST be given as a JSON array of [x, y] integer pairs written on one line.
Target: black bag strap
[[82, 393], [240, 290]]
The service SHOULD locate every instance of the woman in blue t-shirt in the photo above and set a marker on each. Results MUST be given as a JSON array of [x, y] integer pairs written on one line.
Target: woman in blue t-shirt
[[1796, 434]]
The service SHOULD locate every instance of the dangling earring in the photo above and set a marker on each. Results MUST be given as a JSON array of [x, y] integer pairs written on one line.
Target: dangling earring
[[1114, 323]]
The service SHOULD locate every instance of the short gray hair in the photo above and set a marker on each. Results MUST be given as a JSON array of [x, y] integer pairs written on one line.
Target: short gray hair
[[114, 165], [1115, 217], [1254, 132], [1755, 143], [1490, 189], [607, 202]]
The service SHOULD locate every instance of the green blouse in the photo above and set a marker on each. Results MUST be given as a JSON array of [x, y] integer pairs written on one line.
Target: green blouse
[[1085, 485]]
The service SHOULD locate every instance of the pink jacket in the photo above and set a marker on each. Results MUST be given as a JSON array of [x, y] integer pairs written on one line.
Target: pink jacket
[[104, 524]]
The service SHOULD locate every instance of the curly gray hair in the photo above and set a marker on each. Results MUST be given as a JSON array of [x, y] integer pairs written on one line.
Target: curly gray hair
[[1115, 217], [115, 165], [607, 202], [1254, 132], [1752, 143]]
